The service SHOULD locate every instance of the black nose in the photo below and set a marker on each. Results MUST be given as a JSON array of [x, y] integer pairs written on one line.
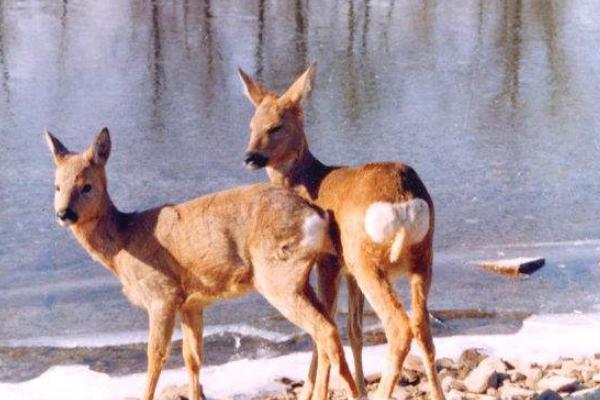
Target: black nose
[[67, 215], [255, 160]]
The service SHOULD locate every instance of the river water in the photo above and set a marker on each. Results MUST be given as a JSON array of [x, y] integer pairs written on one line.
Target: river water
[[494, 103]]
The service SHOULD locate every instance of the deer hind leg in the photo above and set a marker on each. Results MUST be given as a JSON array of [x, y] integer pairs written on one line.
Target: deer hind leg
[[193, 354], [384, 300], [420, 281], [296, 300], [162, 320], [328, 272], [356, 302]]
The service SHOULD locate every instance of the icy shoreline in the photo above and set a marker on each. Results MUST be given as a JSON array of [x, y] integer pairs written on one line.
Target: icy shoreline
[[542, 339]]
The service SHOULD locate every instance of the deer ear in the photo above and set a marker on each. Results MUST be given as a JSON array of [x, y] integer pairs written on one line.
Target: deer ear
[[56, 147], [99, 150], [299, 91], [253, 90]]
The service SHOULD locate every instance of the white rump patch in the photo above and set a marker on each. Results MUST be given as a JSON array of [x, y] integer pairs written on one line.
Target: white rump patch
[[314, 230], [383, 220]]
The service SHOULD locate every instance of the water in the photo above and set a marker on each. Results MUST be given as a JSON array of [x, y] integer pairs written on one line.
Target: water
[[494, 103]]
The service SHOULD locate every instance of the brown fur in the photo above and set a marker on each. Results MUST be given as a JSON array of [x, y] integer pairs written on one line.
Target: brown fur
[[182, 257], [347, 192]]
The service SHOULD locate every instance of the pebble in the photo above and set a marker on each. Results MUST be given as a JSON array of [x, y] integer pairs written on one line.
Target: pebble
[[557, 383]]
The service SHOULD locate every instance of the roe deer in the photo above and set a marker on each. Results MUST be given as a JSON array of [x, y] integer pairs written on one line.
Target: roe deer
[[180, 258], [382, 225]]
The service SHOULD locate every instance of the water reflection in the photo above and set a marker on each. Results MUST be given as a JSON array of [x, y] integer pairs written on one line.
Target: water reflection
[[550, 12], [509, 40], [260, 41], [300, 41], [4, 74], [157, 72]]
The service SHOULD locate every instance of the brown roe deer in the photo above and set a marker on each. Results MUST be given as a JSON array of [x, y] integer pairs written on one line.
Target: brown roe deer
[[180, 258], [383, 221]]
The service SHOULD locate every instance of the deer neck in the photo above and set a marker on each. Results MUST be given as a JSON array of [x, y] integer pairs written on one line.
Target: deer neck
[[101, 236], [302, 172]]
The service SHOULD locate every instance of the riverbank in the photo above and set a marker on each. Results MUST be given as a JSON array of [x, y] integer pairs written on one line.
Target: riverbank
[[542, 340]]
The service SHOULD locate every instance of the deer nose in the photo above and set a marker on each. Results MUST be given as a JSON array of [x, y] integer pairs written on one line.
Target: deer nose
[[255, 160], [67, 214]]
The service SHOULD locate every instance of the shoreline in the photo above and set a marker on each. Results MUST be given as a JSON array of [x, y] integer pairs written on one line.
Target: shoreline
[[542, 339]]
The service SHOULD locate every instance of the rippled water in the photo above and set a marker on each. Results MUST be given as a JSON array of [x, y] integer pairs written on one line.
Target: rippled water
[[494, 103]]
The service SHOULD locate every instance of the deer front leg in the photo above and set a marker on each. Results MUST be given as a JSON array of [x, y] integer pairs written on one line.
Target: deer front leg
[[162, 318], [192, 327]]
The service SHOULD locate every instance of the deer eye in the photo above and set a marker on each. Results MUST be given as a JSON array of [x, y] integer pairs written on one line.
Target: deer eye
[[274, 129], [86, 188], [57, 188]]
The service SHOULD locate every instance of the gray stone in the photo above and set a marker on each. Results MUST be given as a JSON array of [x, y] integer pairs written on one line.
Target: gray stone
[[413, 363], [549, 395], [513, 392], [447, 383], [585, 394], [174, 392], [484, 376], [470, 358], [533, 375], [445, 363], [401, 393], [496, 363], [557, 383], [516, 376], [456, 395]]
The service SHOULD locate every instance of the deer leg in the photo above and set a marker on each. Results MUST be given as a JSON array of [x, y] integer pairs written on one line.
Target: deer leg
[[192, 326], [420, 283], [296, 300], [327, 282], [162, 320], [356, 302], [382, 297]]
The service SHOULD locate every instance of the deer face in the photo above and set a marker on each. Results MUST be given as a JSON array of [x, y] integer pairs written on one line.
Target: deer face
[[80, 180], [276, 133]]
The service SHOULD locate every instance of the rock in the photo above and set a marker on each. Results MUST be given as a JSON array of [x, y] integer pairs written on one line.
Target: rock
[[445, 363], [480, 397], [516, 376], [532, 376], [486, 375], [585, 394], [571, 368], [549, 395], [513, 266], [410, 377], [513, 392], [456, 395], [413, 363], [470, 358], [557, 383], [522, 365], [174, 392], [587, 374], [401, 393], [496, 363], [372, 378], [447, 383]]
